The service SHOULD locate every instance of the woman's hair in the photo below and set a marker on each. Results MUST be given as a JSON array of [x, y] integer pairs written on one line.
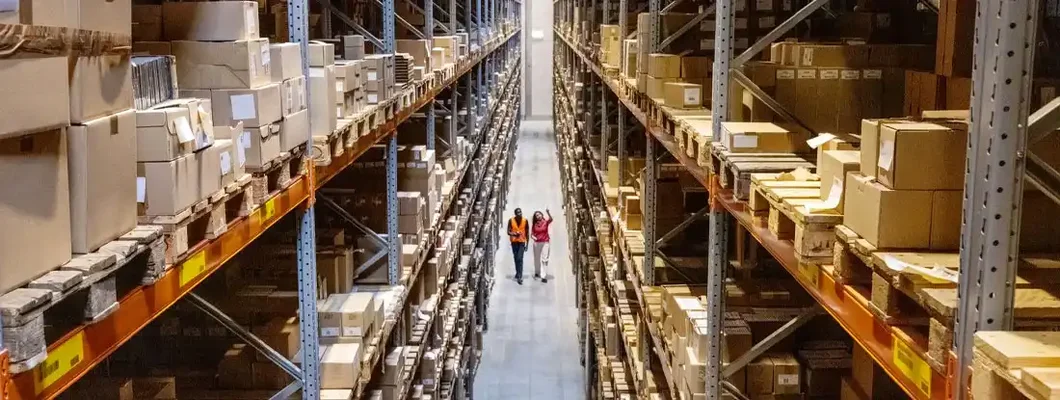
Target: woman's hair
[[537, 217]]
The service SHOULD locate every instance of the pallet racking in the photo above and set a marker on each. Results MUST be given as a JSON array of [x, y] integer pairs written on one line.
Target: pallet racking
[[487, 116], [999, 164]]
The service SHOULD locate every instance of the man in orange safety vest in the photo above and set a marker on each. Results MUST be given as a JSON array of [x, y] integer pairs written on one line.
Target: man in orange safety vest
[[518, 232]]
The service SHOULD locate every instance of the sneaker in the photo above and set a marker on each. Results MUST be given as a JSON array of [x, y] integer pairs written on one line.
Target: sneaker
[[520, 281], [544, 280], [537, 276]]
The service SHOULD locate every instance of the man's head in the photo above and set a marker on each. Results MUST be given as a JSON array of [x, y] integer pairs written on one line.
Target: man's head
[[518, 212]]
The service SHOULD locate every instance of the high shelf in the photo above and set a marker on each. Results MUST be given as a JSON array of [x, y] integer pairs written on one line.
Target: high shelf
[[928, 354], [488, 79]]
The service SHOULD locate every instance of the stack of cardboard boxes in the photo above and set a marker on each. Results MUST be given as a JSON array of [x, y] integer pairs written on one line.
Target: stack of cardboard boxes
[[676, 81], [420, 50], [323, 91], [68, 145], [447, 49], [379, 77], [351, 97], [911, 169], [416, 173], [411, 216], [610, 46]]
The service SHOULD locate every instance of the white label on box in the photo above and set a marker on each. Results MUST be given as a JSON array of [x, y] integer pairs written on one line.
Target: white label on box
[[886, 155], [184, 132], [243, 145], [241, 155], [330, 332], [351, 331], [289, 94], [338, 112], [692, 96], [807, 73], [788, 379], [830, 74], [850, 74], [820, 140], [373, 98], [340, 86], [243, 106], [266, 56], [767, 22], [744, 141], [872, 74], [785, 74], [372, 75], [202, 141], [141, 189], [301, 96], [226, 163], [206, 121], [764, 5]]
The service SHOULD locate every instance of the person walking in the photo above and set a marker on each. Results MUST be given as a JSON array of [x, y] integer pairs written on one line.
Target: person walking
[[518, 232], [541, 244]]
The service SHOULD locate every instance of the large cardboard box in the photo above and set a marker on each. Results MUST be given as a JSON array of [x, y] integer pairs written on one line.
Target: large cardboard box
[[887, 218], [146, 22], [222, 65], [99, 86], [322, 97], [231, 168], [264, 144], [664, 65], [34, 206], [253, 107], [167, 187], [655, 88], [207, 172], [420, 50], [833, 168], [946, 219], [761, 137], [683, 95], [34, 95], [292, 95], [340, 367], [921, 156], [294, 130], [59, 13], [211, 21], [321, 54], [102, 168], [285, 61], [357, 314]]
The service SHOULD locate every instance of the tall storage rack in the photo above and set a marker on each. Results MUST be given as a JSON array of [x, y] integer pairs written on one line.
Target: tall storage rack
[[1003, 128], [495, 31]]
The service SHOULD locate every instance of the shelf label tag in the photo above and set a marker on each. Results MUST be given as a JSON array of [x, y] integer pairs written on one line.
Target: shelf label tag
[[268, 210], [810, 272], [193, 267], [912, 366], [59, 362]]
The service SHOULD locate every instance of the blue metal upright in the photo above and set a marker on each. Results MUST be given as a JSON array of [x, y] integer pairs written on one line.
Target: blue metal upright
[[298, 28]]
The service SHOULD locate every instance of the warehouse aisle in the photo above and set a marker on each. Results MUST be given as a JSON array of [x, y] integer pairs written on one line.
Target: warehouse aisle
[[531, 348]]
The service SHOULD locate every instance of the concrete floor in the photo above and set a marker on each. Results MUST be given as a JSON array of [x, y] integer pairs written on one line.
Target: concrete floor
[[531, 348]]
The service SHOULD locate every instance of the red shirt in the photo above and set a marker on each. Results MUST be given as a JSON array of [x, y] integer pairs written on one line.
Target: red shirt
[[540, 230]]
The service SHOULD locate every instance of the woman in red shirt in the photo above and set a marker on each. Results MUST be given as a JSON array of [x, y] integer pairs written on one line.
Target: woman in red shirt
[[539, 232]]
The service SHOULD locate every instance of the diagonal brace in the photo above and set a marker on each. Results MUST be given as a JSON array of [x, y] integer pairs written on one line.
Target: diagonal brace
[[688, 26], [251, 340], [351, 23], [1043, 122], [777, 32], [327, 201], [761, 347], [680, 227]]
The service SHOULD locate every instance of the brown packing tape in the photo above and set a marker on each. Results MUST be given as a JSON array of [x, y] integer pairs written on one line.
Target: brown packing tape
[[29, 40]]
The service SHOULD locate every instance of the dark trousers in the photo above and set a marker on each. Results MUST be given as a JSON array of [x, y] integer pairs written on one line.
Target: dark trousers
[[518, 249]]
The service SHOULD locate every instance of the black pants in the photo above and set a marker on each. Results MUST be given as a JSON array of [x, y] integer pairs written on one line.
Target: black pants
[[518, 249]]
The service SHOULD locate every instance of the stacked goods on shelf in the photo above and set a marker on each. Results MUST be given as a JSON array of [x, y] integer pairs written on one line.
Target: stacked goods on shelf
[[420, 50], [446, 50], [351, 97], [610, 46], [323, 90], [379, 77]]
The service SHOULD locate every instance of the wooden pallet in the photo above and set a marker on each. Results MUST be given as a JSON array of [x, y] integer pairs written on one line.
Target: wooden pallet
[[273, 177], [782, 204], [206, 219], [82, 291], [734, 169], [1016, 365]]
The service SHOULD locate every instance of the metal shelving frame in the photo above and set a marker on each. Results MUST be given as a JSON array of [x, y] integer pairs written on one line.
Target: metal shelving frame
[[143, 305], [998, 166]]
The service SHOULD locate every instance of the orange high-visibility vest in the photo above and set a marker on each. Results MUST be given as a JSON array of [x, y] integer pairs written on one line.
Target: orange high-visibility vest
[[519, 229]]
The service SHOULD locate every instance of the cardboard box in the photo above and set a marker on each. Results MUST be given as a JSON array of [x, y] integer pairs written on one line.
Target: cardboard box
[[420, 50], [282, 335], [99, 86], [207, 172], [59, 13], [921, 156], [887, 218], [285, 61], [340, 367], [761, 137], [664, 65], [786, 374], [34, 206], [146, 22], [696, 67], [34, 96], [146, 48], [870, 146], [321, 54], [357, 314], [168, 186], [760, 376], [294, 130], [222, 65], [253, 107], [833, 168], [292, 95], [211, 21], [336, 394], [264, 144], [230, 169], [168, 130], [683, 95], [946, 219], [114, 16], [655, 88], [102, 169], [322, 97]]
